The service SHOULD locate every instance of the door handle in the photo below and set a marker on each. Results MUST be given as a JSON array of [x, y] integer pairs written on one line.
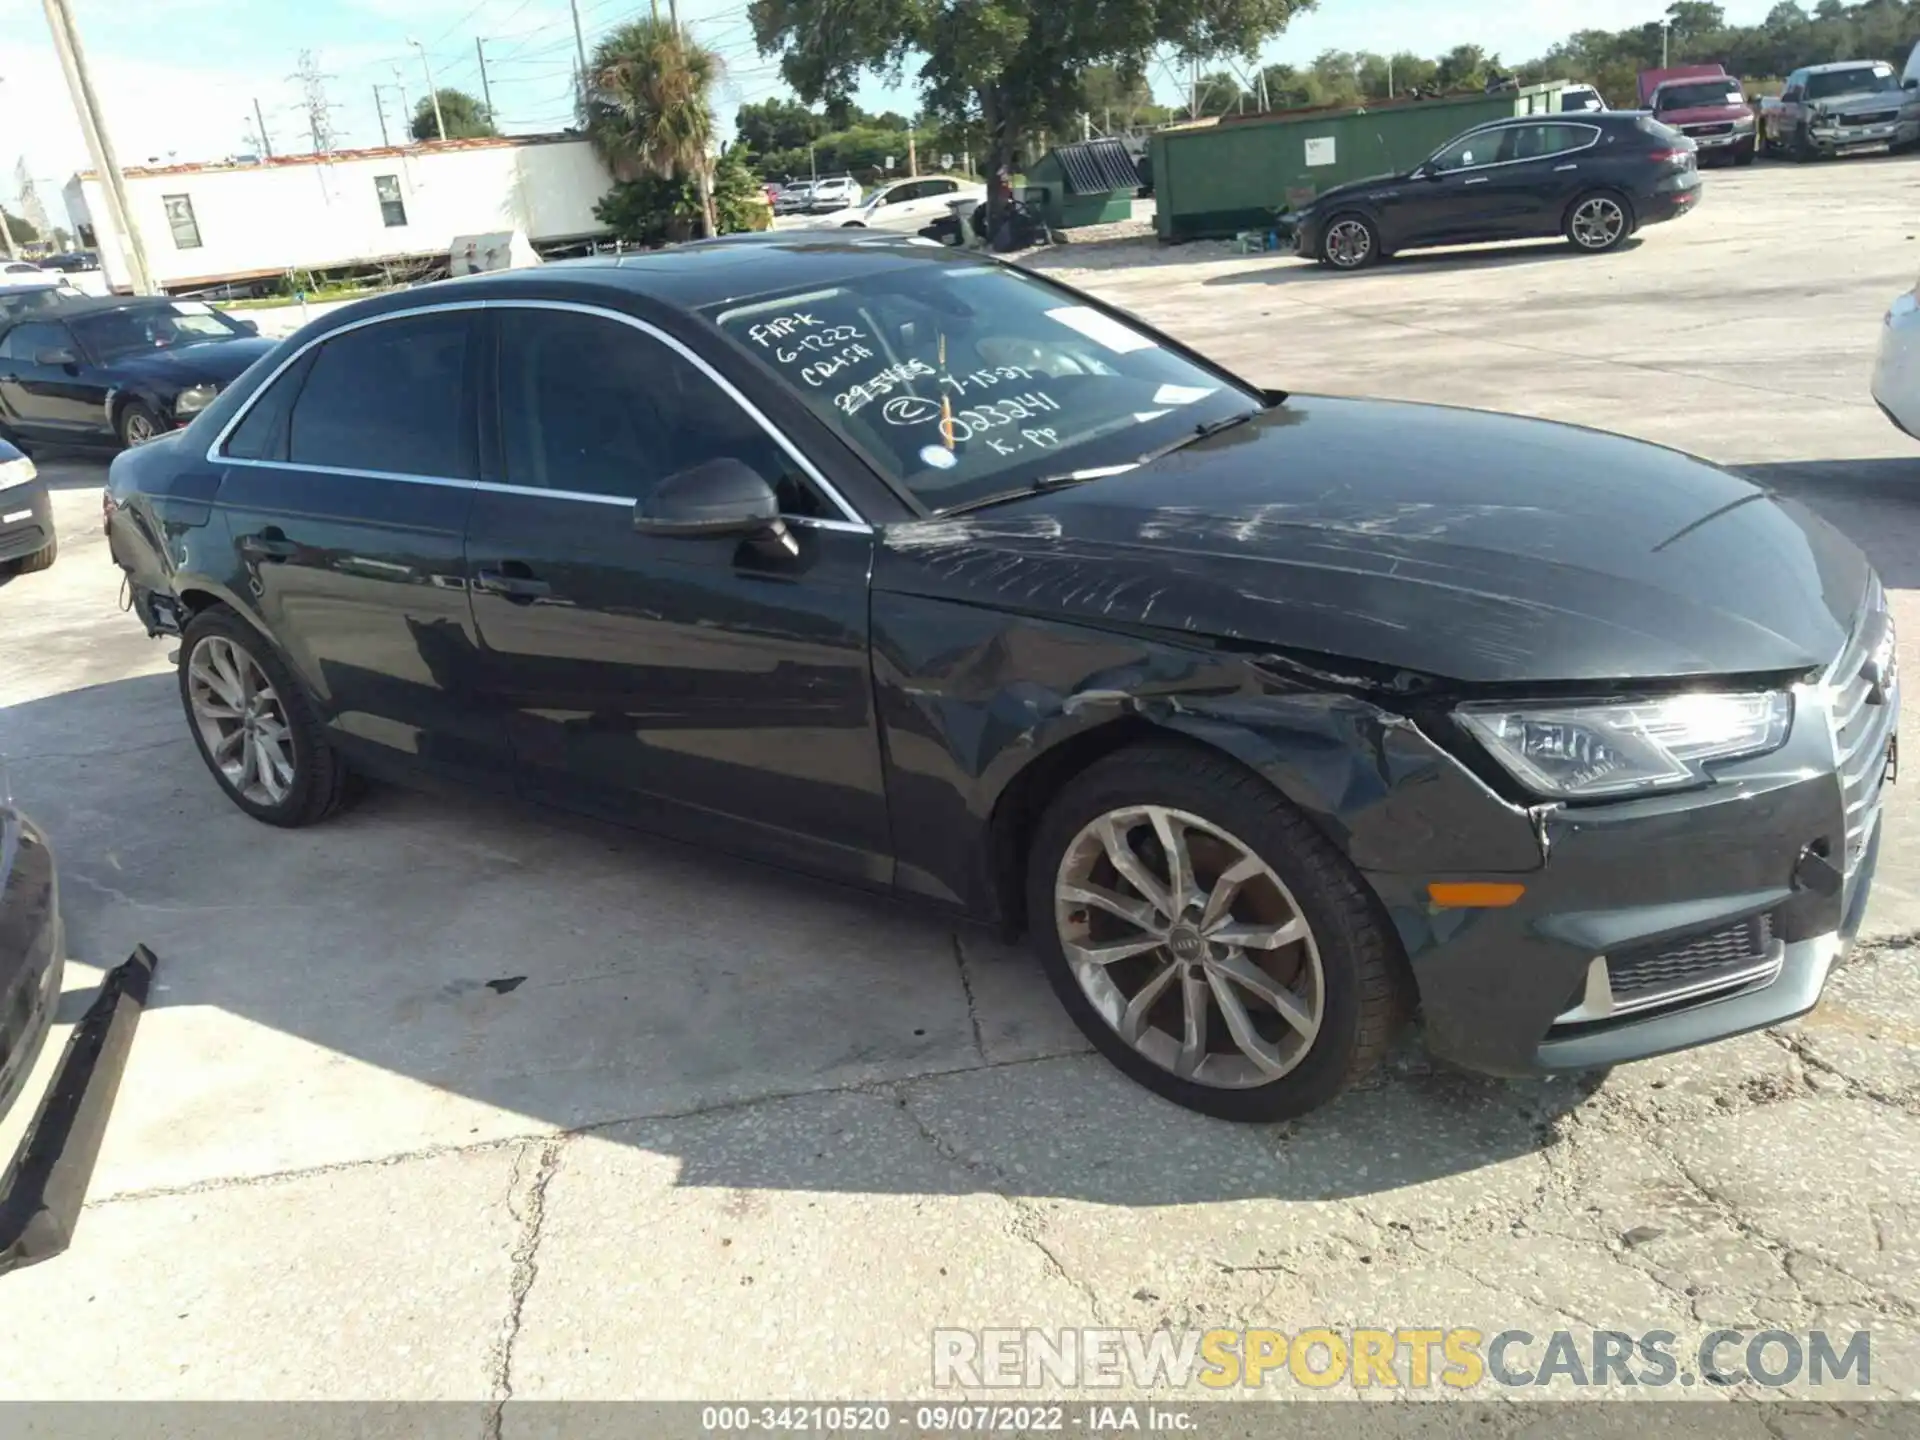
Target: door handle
[[523, 589], [1560, 168], [268, 547], [1477, 180]]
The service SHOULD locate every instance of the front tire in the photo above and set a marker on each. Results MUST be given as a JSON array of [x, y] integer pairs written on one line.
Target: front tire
[[1350, 242], [1598, 222], [1207, 939], [254, 725], [41, 559], [136, 424]]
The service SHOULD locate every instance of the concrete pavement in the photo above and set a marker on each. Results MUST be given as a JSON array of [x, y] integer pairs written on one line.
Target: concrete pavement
[[453, 1100]]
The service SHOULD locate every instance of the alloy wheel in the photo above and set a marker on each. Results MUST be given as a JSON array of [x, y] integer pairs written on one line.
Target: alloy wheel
[[1187, 943], [241, 721], [1598, 223], [139, 429], [1349, 244]]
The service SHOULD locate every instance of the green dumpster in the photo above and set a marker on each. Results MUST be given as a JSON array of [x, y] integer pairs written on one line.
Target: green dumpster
[[1215, 179], [1090, 182]]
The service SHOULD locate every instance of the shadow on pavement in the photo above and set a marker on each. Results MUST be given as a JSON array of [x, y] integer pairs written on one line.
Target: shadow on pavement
[[581, 976], [1415, 263], [1876, 502]]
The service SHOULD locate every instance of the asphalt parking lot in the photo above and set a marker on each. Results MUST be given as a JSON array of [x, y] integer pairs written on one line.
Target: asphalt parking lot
[[452, 1100]]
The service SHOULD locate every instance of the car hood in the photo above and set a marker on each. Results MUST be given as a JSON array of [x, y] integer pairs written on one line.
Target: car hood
[[1348, 191], [214, 362], [1478, 548], [1861, 102]]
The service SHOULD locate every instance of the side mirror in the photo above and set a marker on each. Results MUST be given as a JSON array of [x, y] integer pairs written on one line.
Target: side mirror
[[56, 357], [1428, 171], [252, 327], [1912, 82], [723, 496]]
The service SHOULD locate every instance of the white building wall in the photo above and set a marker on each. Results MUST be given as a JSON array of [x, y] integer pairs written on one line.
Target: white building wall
[[264, 219]]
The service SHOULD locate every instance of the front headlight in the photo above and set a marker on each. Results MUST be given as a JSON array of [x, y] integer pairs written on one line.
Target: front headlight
[[194, 399], [16, 472], [1583, 751]]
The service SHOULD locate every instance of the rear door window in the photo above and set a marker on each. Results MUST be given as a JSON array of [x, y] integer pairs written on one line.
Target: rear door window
[[24, 342], [392, 397]]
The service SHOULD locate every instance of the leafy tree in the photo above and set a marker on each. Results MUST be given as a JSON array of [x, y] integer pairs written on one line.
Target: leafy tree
[[466, 117], [658, 210], [778, 124], [1696, 17], [647, 107], [22, 229], [1116, 96], [1463, 68], [1008, 65]]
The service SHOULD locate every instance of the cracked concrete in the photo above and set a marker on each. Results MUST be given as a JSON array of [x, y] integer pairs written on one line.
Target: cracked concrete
[[740, 1136]]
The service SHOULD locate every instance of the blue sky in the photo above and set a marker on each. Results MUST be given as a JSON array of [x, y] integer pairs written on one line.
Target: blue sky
[[180, 84]]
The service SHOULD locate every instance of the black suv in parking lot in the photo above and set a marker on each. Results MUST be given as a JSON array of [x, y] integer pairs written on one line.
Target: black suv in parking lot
[[1595, 178], [927, 574]]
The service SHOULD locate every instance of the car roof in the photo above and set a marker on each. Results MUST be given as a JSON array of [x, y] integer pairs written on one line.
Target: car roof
[[708, 272], [76, 304], [1832, 65]]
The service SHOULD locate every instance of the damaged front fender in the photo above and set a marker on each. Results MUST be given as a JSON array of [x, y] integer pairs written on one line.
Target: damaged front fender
[[982, 710]]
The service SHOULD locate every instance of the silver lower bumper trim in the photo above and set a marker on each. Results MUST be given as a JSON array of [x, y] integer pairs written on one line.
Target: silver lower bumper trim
[[1598, 1002]]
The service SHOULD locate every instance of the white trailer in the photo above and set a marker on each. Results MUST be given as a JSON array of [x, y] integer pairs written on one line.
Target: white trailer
[[246, 220]]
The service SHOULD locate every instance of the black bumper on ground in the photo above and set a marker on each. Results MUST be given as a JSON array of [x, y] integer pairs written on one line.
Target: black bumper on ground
[[46, 1183], [26, 521]]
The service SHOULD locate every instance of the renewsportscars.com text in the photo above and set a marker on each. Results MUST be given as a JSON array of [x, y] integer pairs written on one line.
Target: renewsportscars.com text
[[1414, 1358]]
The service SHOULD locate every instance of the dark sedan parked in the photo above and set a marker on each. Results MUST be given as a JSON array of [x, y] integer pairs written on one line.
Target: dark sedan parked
[[117, 371], [27, 539], [1595, 179], [1263, 713]]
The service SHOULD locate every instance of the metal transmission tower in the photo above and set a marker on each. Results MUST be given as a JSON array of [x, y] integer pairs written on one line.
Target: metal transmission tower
[[313, 90]]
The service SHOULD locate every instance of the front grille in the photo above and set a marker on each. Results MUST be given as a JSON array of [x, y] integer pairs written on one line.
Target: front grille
[[1722, 129], [1865, 713], [1655, 970], [1878, 117]]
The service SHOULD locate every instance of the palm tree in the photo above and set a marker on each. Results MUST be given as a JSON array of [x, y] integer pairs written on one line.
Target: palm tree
[[645, 104]]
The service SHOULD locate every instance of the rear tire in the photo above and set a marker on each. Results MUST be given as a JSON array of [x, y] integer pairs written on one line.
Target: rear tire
[[1322, 1003], [41, 559], [278, 768], [1803, 150], [1350, 242], [1599, 221]]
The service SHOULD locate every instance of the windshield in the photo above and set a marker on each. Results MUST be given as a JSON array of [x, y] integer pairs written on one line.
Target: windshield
[[113, 333], [963, 381], [1864, 80], [1698, 95]]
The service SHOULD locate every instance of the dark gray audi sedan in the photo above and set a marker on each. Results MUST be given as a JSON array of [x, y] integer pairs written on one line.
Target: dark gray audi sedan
[[1266, 715]]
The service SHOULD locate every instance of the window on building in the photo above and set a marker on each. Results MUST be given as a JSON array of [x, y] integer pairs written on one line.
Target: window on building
[[393, 209], [186, 230]]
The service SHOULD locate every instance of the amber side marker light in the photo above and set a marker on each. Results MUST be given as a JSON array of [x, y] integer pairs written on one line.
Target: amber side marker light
[[1468, 896]]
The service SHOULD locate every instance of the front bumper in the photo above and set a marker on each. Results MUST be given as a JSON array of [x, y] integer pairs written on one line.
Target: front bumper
[[26, 521], [45, 1183], [1654, 889], [1841, 138]]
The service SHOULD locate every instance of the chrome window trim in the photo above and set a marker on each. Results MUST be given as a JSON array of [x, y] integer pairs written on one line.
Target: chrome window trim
[[853, 522], [1515, 123]]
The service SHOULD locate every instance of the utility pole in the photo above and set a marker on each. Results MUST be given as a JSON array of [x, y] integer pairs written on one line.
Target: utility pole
[[406, 115], [1389, 77], [381, 111], [439, 121], [1666, 29], [486, 91], [580, 43], [913, 158], [66, 40], [266, 140]]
